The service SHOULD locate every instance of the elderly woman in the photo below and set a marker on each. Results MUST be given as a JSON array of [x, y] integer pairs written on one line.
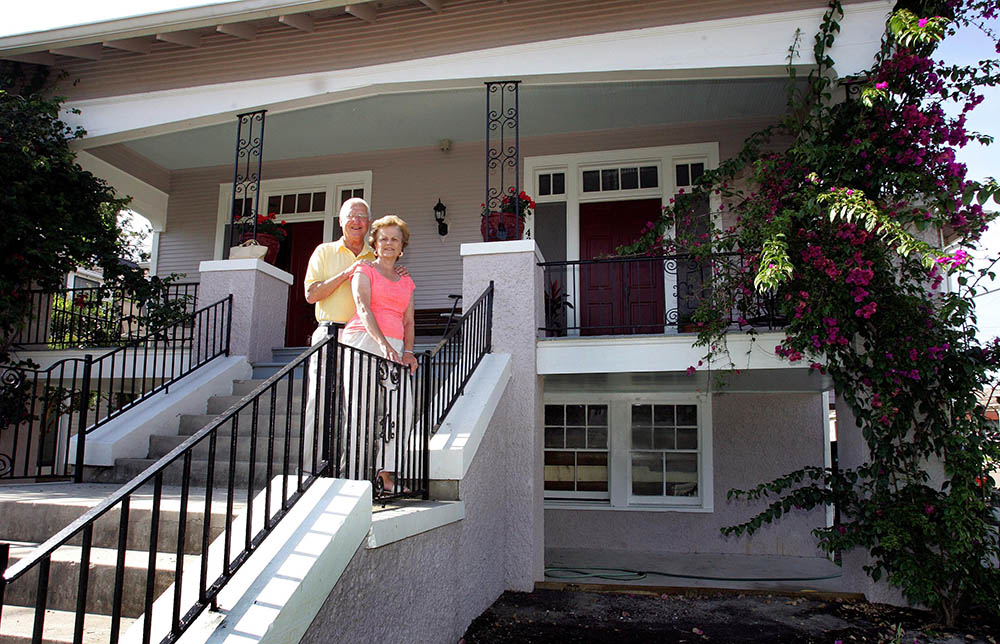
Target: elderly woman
[[383, 325]]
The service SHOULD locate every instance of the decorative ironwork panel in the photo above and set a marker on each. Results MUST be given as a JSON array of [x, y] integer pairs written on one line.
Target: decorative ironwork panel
[[246, 175], [503, 162]]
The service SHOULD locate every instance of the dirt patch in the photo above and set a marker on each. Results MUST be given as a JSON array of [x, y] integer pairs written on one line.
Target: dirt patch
[[571, 617]]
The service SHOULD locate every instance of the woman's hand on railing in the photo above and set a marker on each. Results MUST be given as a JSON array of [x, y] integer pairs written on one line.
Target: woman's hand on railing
[[410, 361]]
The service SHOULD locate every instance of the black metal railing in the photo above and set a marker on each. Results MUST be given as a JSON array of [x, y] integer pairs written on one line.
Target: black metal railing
[[44, 410], [262, 453], [98, 316], [645, 295]]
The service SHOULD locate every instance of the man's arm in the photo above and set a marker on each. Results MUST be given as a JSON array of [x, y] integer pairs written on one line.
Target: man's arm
[[323, 289]]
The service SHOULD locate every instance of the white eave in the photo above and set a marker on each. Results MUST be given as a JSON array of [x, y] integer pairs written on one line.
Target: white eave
[[164, 22]]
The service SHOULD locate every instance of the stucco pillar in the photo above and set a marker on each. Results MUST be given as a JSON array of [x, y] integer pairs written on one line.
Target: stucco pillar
[[852, 451], [517, 314], [260, 303]]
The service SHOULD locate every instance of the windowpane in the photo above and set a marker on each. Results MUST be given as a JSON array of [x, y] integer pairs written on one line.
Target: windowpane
[[682, 474], [560, 470], [642, 438], [287, 204], [344, 196], [609, 179], [663, 438], [554, 437], [576, 437], [597, 438], [697, 169], [544, 184], [687, 415], [663, 415], [591, 181], [597, 415], [274, 204], [574, 415], [642, 415], [559, 183], [554, 415], [319, 202], [630, 178], [648, 177], [647, 474], [592, 471], [304, 202], [359, 193], [687, 439], [683, 175]]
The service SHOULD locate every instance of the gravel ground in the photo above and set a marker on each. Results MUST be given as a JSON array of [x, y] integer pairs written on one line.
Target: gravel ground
[[590, 617]]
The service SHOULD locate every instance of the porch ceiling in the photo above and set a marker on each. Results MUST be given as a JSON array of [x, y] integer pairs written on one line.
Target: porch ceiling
[[418, 119]]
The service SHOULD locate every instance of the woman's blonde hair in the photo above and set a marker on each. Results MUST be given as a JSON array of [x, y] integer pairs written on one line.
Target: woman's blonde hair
[[389, 220]]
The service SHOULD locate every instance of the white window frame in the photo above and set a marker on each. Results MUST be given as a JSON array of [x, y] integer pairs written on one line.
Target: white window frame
[[620, 452], [332, 184], [575, 494]]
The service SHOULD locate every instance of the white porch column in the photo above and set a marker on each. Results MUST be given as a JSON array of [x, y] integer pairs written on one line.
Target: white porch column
[[517, 314], [260, 301]]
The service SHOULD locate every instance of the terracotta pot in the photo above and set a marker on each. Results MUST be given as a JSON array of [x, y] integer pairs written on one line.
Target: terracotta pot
[[266, 239], [491, 229]]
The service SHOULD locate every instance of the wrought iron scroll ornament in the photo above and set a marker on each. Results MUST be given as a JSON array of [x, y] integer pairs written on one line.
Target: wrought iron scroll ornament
[[503, 171], [13, 399], [246, 175]]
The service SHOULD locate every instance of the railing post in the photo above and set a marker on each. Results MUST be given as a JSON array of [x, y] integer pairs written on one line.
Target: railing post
[[425, 403], [81, 432], [326, 375], [489, 320], [4, 559], [229, 321]]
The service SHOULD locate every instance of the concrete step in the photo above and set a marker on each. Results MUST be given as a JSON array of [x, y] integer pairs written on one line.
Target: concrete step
[[188, 424], [219, 404], [264, 370], [125, 469], [18, 623], [33, 513], [65, 570], [160, 445]]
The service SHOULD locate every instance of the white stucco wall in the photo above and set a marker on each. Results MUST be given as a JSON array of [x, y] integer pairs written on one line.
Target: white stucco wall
[[429, 587], [756, 437]]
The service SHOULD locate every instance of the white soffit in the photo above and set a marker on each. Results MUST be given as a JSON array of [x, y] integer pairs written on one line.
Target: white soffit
[[734, 46]]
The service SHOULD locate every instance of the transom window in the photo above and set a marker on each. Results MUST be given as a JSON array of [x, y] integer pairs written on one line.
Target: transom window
[[551, 183], [621, 178], [687, 174], [296, 203]]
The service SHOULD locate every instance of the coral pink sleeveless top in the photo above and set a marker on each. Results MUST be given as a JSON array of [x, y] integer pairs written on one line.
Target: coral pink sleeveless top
[[389, 302]]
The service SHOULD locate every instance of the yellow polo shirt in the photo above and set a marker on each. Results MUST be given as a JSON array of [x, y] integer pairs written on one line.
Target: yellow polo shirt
[[326, 261]]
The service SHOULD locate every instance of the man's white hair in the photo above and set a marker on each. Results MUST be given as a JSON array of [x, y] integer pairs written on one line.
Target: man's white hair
[[345, 209]]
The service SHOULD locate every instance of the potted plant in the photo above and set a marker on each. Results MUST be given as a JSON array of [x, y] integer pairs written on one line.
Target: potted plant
[[508, 222], [270, 233]]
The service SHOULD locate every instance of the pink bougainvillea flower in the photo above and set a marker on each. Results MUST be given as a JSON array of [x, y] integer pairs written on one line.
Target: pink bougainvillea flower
[[922, 23], [882, 85], [690, 371]]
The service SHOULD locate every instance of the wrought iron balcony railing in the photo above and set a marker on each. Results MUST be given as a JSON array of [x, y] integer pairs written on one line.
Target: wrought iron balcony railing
[[642, 295]]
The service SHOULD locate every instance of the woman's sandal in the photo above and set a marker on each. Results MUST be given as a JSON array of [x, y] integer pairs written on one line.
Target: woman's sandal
[[381, 487]]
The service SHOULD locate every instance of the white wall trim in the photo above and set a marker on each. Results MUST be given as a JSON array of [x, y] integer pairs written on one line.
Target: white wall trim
[[332, 184], [390, 526], [731, 45], [148, 201], [499, 247], [246, 265]]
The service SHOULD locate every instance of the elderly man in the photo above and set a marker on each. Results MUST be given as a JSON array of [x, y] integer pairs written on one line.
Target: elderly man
[[328, 286]]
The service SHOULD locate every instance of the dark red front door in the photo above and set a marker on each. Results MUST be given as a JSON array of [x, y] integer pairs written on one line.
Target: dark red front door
[[301, 318], [618, 297]]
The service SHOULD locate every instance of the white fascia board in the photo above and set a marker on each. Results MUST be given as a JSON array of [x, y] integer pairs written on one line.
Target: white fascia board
[[625, 354], [736, 44], [153, 23], [147, 200]]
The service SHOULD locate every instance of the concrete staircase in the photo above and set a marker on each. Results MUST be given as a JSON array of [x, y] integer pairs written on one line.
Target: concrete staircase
[[34, 512]]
